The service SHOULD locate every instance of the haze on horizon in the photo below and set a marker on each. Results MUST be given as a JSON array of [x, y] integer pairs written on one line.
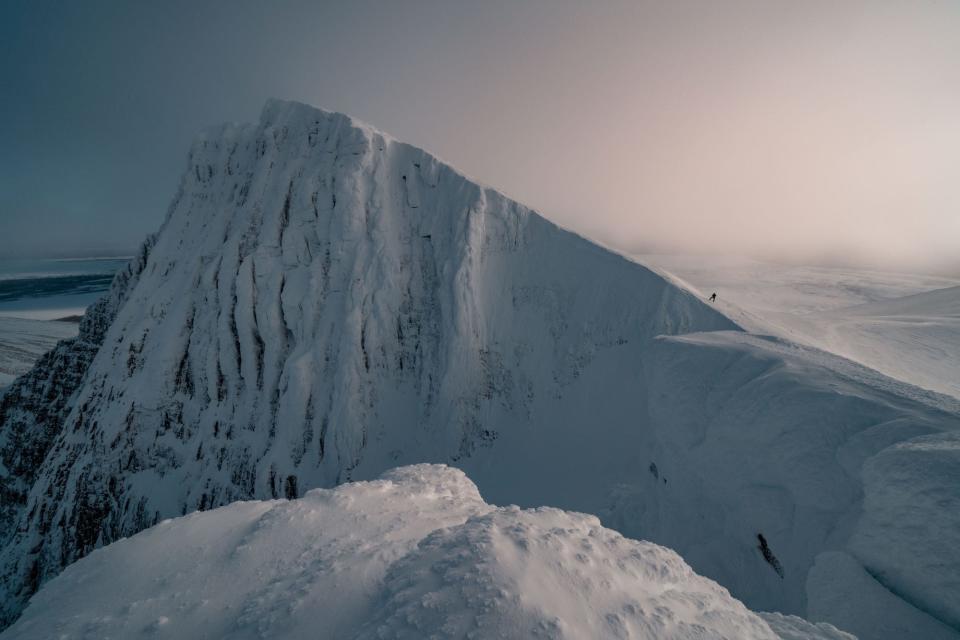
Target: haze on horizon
[[817, 132]]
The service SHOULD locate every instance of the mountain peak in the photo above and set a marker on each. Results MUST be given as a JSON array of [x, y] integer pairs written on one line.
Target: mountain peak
[[277, 112]]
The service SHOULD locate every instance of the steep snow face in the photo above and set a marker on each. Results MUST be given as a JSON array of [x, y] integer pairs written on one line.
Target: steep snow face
[[765, 456], [321, 304], [910, 533], [415, 554]]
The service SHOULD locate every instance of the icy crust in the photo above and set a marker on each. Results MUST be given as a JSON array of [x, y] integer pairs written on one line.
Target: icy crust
[[546, 573], [416, 554]]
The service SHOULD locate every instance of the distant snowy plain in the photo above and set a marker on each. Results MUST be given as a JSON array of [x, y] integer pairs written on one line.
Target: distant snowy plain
[[23, 341], [905, 325], [36, 296]]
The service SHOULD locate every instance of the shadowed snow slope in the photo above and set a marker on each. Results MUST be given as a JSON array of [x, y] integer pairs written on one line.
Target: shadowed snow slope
[[416, 554], [324, 303], [752, 435]]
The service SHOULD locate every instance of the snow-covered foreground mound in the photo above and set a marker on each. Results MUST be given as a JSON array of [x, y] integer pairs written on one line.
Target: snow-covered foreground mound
[[416, 554]]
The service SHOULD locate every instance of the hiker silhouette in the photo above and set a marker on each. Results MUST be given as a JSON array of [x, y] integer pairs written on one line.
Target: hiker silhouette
[[713, 298]]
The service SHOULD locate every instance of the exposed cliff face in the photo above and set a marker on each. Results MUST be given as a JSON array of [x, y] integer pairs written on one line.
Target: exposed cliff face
[[322, 303], [34, 409]]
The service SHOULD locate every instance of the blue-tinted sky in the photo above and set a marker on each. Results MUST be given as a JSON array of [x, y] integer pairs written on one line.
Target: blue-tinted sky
[[810, 130]]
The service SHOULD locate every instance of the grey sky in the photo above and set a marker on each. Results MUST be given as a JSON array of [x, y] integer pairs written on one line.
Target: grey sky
[[802, 130]]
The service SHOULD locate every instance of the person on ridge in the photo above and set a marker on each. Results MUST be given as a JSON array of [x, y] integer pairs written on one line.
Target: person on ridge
[[713, 298]]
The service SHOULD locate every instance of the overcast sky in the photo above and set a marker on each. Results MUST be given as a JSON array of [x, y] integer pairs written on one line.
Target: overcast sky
[[817, 131]]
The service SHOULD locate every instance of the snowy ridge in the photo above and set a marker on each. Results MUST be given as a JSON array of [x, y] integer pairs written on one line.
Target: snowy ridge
[[906, 326], [415, 554]]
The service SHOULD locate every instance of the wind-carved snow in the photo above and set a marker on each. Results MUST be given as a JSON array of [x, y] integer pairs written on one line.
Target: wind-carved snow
[[755, 436], [415, 554], [324, 303]]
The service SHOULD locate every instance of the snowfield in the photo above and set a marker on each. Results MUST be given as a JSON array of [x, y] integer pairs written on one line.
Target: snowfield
[[23, 341], [415, 554], [324, 303], [904, 325]]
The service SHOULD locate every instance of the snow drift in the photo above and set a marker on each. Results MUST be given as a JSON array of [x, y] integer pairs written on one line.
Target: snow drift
[[324, 303], [753, 436], [416, 554]]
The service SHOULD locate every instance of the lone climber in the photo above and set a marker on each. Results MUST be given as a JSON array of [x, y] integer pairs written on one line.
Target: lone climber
[[768, 555], [713, 297]]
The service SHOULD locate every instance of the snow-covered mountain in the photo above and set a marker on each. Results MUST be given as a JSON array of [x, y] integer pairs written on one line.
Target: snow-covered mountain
[[416, 554], [324, 303]]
